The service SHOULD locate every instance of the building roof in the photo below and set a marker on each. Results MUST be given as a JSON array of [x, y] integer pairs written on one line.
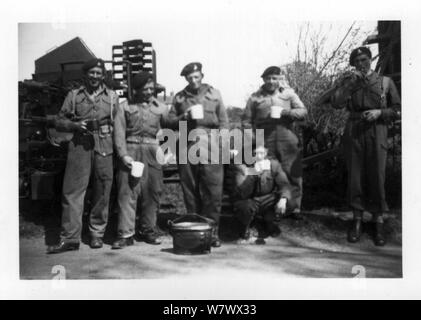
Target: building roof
[[72, 51]]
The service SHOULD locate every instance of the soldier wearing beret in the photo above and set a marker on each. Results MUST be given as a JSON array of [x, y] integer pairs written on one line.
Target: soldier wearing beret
[[280, 139], [135, 139], [261, 192], [202, 183], [88, 113], [372, 101]]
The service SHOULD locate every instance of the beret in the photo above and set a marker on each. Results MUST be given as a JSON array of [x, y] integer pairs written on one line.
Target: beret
[[95, 62], [271, 70], [357, 52], [191, 67], [141, 78]]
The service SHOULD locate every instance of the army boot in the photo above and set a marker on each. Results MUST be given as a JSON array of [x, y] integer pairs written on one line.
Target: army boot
[[379, 238], [354, 232], [216, 243]]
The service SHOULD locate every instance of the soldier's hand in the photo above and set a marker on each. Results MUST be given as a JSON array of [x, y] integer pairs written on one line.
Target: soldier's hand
[[281, 206], [81, 126], [372, 115], [187, 114], [350, 78], [127, 160]]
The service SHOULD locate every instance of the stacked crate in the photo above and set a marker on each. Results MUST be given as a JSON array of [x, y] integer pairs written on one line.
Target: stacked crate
[[130, 58]]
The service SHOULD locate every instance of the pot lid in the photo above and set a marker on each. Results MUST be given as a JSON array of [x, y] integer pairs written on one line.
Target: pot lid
[[194, 226]]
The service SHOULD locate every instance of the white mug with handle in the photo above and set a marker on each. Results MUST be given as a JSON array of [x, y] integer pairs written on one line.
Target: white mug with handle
[[137, 169], [275, 112], [196, 111]]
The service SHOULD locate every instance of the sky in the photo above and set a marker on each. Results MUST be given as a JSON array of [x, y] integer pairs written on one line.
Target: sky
[[233, 48]]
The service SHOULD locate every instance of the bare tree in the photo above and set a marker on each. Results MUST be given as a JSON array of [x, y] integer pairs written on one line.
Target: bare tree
[[316, 66]]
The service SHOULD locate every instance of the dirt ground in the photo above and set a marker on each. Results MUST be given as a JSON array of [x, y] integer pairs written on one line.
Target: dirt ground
[[314, 248]]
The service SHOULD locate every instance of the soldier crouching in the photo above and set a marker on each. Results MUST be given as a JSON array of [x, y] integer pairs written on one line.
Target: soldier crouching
[[260, 193]]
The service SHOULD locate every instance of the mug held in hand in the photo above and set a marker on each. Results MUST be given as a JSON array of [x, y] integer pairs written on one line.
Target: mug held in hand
[[196, 111], [275, 112], [137, 169]]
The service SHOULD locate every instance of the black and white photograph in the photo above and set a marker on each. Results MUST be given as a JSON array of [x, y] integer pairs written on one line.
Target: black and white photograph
[[211, 150]]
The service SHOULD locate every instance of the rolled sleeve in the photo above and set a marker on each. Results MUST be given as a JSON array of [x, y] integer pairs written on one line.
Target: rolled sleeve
[[222, 113], [62, 122], [298, 110], [120, 130]]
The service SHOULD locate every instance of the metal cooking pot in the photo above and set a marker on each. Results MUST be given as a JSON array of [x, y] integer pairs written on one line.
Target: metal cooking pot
[[192, 234]]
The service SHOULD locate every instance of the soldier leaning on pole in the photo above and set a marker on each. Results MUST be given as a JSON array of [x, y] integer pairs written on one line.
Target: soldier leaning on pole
[[88, 112], [135, 138], [274, 108], [202, 183], [373, 102]]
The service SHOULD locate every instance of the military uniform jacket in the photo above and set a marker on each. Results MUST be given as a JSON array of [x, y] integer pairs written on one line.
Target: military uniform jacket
[[79, 106], [375, 92], [257, 111], [134, 122], [215, 115], [265, 182]]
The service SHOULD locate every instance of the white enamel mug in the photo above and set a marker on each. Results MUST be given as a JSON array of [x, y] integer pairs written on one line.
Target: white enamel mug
[[197, 111], [275, 112], [137, 169]]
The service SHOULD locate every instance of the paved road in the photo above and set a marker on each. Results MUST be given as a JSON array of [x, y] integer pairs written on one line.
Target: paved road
[[285, 256]]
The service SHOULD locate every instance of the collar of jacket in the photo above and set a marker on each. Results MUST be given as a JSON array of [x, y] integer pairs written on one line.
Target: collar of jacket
[[152, 102], [204, 88], [104, 89], [263, 92]]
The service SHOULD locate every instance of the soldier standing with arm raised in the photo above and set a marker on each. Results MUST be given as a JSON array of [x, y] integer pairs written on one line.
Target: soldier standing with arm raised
[[373, 101]]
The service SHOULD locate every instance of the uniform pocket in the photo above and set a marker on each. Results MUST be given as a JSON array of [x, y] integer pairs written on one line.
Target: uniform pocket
[[132, 115], [209, 115], [284, 102], [262, 110]]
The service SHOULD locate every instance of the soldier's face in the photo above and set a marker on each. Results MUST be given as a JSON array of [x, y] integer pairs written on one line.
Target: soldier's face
[[195, 79], [95, 76], [261, 154], [362, 63], [147, 91], [271, 82]]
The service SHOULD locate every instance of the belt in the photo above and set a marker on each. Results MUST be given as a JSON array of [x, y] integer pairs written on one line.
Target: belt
[[357, 116], [140, 139]]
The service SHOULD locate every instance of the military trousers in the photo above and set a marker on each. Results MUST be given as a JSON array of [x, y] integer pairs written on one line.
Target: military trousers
[[82, 162], [139, 195], [283, 144], [260, 206], [202, 186], [366, 154]]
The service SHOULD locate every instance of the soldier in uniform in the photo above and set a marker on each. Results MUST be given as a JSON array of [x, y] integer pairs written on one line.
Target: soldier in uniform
[[88, 112], [280, 140], [373, 101], [135, 139], [261, 192], [202, 183]]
